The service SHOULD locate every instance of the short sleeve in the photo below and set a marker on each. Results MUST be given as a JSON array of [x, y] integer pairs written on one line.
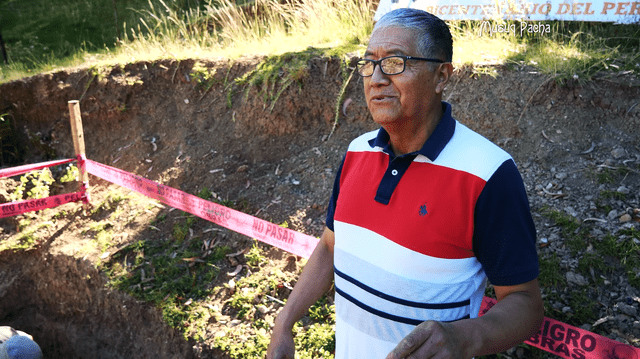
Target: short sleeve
[[504, 239], [331, 208]]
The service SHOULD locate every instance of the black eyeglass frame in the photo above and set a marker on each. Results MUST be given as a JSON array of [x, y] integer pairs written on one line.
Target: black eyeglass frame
[[360, 64]]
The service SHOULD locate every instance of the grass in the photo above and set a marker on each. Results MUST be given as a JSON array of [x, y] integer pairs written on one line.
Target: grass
[[597, 259], [613, 194], [155, 29], [569, 50], [205, 29], [162, 274]]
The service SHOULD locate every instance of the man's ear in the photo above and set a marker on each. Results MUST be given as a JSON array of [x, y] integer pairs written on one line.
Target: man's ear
[[443, 74]]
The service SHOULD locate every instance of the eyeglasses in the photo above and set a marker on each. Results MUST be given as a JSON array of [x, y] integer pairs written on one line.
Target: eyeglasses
[[390, 65]]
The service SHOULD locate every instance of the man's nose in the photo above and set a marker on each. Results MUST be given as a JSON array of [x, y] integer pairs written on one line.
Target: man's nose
[[378, 77]]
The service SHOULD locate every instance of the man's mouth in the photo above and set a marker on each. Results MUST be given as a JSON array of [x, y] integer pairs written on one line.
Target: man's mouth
[[379, 98]]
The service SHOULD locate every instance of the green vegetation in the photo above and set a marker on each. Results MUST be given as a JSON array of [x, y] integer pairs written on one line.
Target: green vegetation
[[72, 174], [180, 230], [626, 250], [203, 76], [606, 176], [570, 229], [613, 194], [597, 257], [274, 74], [45, 35], [254, 256], [156, 29], [550, 277], [166, 275], [569, 50], [34, 185]]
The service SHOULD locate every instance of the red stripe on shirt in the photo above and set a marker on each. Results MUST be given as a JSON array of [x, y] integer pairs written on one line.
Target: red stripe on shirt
[[445, 231]]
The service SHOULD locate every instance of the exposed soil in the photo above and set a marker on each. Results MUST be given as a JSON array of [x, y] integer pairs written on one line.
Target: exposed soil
[[153, 120]]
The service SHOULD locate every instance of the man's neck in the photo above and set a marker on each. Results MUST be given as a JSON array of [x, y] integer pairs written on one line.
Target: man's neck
[[410, 136]]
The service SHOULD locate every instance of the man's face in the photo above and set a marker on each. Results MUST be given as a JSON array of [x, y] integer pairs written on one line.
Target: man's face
[[408, 96]]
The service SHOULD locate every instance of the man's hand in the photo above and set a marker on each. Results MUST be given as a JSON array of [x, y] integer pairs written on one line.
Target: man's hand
[[281, 346], [516, 317], [430, 339]]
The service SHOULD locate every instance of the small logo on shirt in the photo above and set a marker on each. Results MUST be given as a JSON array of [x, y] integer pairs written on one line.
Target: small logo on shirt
[[423, 210]]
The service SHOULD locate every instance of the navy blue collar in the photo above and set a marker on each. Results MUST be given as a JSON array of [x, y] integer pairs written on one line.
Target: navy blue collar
[[434, 144]]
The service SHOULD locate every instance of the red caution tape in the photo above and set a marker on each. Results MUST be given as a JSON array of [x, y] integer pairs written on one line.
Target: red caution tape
[[569, 342], [14, 171], [294, 242], [15, 208]]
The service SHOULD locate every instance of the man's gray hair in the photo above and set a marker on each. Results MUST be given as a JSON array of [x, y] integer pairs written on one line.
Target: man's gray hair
[[434, 38]]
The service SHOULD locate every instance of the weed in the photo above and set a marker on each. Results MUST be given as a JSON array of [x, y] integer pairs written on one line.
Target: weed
[[613, 194], [23, 223], [584, 308], [111, 202], [317, 342], [484, 71], [225, 202], [570, 228], [180, 231], [274, 74], [346, 78], [577, 242], [590, 261], [253, 347], [205, 193], [60, 214], [604, 208], [549, 274], [606, 176], [254, 256], [323, 311], [626, 249], [160, 219], [35, 184], [608, 245], [103, 240], [71, 174], [203, 76], [26, 240], [219, 253], [156, 272]]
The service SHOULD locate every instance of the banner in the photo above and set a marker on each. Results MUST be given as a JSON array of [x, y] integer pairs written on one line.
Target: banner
[[15, 208], [569, 342], [14, 171], [291, 241], [622, 12]]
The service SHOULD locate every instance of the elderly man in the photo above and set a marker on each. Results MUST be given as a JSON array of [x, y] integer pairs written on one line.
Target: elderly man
[[423, 211]]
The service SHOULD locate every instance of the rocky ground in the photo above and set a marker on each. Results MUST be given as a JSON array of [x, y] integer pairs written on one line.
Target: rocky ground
[[577, 146], [598, 188]]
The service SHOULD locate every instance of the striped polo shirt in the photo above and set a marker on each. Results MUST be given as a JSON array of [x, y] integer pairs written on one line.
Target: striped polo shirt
[[418, 235]]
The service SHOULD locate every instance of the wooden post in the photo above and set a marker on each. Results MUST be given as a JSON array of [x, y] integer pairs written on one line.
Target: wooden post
[[78, 145]]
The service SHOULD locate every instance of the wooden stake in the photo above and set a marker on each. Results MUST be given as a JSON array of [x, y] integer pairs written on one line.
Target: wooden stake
[[78, 144]]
